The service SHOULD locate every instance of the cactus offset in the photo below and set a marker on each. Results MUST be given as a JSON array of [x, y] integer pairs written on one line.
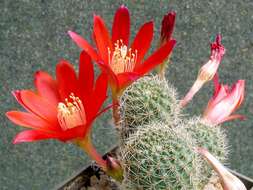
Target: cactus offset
[[148, 100], [212, 138], [158, 157]]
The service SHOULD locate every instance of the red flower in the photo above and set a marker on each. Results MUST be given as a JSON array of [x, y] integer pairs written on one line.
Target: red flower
[[224, 102], [208, 70], [62, 109], [123, 63]]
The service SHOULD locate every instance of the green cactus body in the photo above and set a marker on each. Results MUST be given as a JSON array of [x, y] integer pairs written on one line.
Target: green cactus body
[[148, 100], [210, 137], [159, 157]]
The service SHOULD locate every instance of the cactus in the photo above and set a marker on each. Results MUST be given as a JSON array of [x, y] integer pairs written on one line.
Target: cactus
[[158, 157], [212, 138], [148, 100]]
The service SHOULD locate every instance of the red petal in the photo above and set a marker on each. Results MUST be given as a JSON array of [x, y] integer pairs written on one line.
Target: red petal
[[17, 96], [125, 79], [86, 74], [98, 97], [66, 78], [32, 135], [40, 106], [35, 135], [156, 58], [76, 132], [102, 38], [121, 25], [142, 41], [83, 44], [168, 24], [113, 80], [28, 120], [47, 87]]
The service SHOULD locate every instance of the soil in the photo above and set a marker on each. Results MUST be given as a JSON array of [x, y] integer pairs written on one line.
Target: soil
[[97, 181], [100, 181]]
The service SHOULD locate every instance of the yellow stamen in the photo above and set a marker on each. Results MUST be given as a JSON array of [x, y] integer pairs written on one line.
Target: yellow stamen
[[71, 113], [122, 59]]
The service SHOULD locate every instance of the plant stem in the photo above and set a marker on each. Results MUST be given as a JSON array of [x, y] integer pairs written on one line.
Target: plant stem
[[116, 112], [87, 146]]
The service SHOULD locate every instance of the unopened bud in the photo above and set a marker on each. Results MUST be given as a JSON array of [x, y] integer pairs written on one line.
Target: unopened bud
[[114, 168]]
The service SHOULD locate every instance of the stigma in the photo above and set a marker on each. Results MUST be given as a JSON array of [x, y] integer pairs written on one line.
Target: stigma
[[71, 113], [122, 59]]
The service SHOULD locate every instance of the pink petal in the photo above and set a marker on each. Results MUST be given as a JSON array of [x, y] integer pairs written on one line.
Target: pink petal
[[228, 180], [233, 117]]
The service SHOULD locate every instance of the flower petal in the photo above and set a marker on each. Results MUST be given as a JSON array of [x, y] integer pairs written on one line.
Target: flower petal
[[216, 83], [194, 89], [156, 58], [102, 38], [32, 135], [17, 96], [39, 106], [86, 74], [47, 87], [228, 180], [142, 41], [127, 78], [168, 24], [98, 96], [83, 44], [66, 78], [220, 111], [28, 120], [233, 117], [121, 25], [113, 80]]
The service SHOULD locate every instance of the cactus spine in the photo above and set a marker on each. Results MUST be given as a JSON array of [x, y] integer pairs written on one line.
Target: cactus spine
[[159, 157], [212, 138], [148, 100]]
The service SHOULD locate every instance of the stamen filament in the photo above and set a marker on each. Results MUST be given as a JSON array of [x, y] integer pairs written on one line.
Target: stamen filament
[[71, 113], [122, 59]]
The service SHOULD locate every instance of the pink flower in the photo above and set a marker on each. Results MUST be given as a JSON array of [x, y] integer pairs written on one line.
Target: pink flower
[[228, 180], [224, 102], [207, 71]]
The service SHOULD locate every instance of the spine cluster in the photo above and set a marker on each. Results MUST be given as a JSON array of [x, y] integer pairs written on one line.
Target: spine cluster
[[158, 148]]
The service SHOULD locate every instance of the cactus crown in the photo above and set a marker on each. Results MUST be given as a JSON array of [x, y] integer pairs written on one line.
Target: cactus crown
[[148, 100]]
